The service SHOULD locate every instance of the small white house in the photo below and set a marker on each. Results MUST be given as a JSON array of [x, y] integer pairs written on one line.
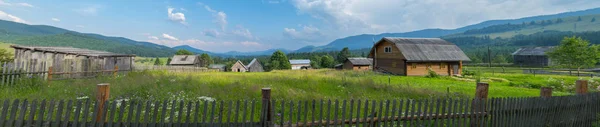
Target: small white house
[[300, 64]]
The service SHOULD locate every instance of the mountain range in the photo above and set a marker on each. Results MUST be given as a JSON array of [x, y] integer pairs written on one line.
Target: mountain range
[[44, 35]]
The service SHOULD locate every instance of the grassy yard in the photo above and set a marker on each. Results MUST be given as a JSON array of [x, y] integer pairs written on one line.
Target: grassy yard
[[297, 85]]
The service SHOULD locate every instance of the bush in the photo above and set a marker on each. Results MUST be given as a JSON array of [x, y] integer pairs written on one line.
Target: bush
[[431, 74]]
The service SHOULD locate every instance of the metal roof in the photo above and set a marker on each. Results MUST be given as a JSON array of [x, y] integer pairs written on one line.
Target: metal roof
[[71, 50], [184, 60], [252, 62], [532, 51], [427, 49], [361, 61], [300, 61]]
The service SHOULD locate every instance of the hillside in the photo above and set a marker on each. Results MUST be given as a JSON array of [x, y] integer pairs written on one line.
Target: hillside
[[366, 40], [42, 35], [568, 24]]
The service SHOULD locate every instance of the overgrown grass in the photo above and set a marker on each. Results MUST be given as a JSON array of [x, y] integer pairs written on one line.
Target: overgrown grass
[[294, 85]]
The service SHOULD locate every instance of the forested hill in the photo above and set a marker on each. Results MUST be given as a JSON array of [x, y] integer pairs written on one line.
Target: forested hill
[[365, 40], [42, 35]]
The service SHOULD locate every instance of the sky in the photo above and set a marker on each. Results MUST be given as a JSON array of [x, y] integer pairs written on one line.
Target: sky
[[256, 25]]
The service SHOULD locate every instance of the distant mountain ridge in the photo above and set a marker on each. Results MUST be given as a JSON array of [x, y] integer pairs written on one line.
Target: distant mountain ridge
[[366, 40]]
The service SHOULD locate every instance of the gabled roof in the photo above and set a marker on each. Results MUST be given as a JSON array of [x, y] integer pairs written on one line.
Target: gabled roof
[[300, 61], [183, 60], [240, 62], [254, 61], [360, 61], [71, 50], [427, 49], [533, 51]]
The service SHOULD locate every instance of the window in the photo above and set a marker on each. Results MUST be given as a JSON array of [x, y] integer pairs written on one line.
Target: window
[[428, 65], [413, 65], [387, 49]]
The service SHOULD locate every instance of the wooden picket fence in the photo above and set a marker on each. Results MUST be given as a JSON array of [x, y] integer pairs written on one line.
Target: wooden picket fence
[[579, 110], [15, 72]]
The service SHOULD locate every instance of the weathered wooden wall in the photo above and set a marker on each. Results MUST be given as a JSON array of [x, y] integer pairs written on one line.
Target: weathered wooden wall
[[71, 62]]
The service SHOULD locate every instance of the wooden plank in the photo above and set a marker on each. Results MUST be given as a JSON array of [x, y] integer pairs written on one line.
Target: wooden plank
[[252, 109], [5, 108], [313, 114], [306, 112], [212, 113], [68, 111], [196, 113], [163, 113], [205, 111], [291, 117], [180, 114], [77, 113], [152, 121], [328, 113], [237, 113], [410, 109], [188, 113], [335, 112], [366, 113], [343, 118], [21, 116], [111, 115], [130, 113], [320, 113], [400, 109], [59, 113], [122, 106], [228, 121], [282, 114], [138, 113], [220, 116], [244, 113], [40, 116], [386, 113]]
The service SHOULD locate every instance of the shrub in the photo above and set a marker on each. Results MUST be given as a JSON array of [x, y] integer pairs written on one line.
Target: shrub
[[431, 74]]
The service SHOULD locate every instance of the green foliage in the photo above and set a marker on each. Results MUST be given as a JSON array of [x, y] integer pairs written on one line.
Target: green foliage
[[206, 60], [327, 61], [279, 61], [431, 74], [5, 56], [499, 59], [183, 52], [169, 61], [343, 55], [157, 61], [315, 62], [574, 52]]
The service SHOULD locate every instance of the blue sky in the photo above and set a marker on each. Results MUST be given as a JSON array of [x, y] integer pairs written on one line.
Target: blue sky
[[253, 25]]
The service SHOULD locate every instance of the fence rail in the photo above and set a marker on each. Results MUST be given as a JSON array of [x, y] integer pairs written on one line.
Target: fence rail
[[12, 73]]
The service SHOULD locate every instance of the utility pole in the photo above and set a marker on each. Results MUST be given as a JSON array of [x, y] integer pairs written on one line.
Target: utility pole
[[489, 57]]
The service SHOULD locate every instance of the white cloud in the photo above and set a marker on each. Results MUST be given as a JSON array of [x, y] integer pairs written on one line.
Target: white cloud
[[220, 17], [25, 4], [55, 19], [80, 26], [167, 36], [211, 33], [349, 17], [176, 17], [89, 11], [307, 34], [243, 32], [9, 17], [2, 2], [250, 44], [152, 37]]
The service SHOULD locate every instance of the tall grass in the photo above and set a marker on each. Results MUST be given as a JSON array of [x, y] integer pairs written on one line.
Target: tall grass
[[288, 85]]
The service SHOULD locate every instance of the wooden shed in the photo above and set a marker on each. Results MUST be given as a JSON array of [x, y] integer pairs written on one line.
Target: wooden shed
[[416, 56], [358, 64], [238, 67], [255, 66], [186, 60], [300, 64], [532, 56], [69, 59]]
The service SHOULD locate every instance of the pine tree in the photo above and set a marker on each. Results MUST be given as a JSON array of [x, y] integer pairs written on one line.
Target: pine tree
[[343, 55], [169, 61], [532, 23], [559, 20], [157, 61]]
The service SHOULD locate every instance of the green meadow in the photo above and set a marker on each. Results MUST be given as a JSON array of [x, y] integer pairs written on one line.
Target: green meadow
[[289, 85]]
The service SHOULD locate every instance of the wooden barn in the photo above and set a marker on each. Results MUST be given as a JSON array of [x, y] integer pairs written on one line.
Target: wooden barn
[[532, 56], [358, 64], [68, 59], [300, 64], [221, 67], [238, 67], [253, 66], [416, 56], [186, 60]]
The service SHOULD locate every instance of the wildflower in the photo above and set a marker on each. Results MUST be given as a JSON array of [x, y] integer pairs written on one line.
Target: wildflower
[[205, 98], [81, 98]]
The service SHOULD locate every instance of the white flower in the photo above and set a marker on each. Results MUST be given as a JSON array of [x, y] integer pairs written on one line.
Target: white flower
[[205, 98], [81, 98]]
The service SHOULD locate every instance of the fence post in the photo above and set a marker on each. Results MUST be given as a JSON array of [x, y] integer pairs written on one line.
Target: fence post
[[546, 92], [478, 105], [266, 106], [102, 94], [581, 87], [49, 74], [115, 71]]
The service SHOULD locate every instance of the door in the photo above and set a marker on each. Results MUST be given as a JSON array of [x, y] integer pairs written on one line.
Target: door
[[455, 69]]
